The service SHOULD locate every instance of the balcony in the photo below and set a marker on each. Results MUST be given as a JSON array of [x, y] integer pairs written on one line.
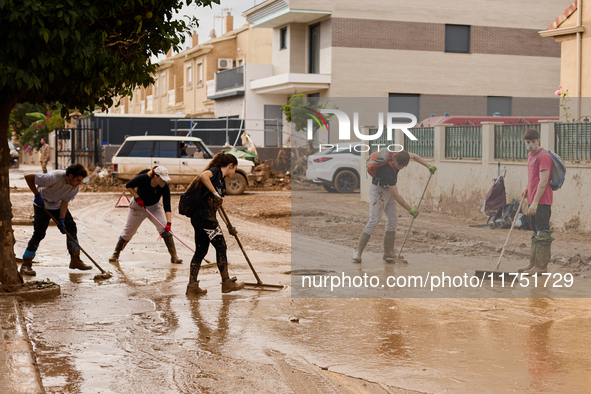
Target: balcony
[[227, 83], [291, 83]]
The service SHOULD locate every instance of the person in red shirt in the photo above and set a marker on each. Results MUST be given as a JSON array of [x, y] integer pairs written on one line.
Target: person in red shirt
[[539, 198]]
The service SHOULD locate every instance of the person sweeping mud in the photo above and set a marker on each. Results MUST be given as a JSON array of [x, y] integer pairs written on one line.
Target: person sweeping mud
[[147, 189], [53, 191], [539, 197], [383, 196], [211, 188]]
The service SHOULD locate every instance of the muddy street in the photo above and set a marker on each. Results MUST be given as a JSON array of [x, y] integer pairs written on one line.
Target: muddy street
[[138, 333]]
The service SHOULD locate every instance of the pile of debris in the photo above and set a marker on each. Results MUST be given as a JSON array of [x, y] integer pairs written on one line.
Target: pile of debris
[[266, 177], [101, 179]]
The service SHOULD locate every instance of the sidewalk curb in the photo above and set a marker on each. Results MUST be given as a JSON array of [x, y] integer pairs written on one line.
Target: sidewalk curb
[[20, 373]]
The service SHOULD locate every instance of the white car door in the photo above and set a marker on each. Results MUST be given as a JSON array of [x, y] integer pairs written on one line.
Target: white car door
[[167, 154], [133, 157], [195, 163]]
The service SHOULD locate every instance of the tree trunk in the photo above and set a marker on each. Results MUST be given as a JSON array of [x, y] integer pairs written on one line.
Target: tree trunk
[[8, 270]]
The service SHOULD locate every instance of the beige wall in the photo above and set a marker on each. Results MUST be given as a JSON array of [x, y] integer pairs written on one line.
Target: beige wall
[[428, 72], [532, 14]]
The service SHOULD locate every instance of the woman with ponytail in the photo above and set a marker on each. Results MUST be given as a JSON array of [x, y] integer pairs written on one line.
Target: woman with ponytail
[[212, 188]]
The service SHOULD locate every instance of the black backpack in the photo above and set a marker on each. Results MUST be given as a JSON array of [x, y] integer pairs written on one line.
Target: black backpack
[[190, 200], [504, 216]]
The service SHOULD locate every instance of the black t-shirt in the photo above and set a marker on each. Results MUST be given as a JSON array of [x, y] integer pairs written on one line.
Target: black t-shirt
[[150, 195], [205, 209], [385, 176]]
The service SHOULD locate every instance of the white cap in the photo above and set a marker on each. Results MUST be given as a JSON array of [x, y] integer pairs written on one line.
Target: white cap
[[162, 172]]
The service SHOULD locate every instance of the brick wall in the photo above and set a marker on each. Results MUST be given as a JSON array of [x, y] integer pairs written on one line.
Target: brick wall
[[507, 41], [382, 34]]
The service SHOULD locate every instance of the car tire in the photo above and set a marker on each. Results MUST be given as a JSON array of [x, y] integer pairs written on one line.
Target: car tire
[[346, 181], [236, 184], [329, 188]]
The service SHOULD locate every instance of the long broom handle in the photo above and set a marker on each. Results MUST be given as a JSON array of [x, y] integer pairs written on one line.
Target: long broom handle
[[74, 241], [225, 215], [413, 218], [162, 224], [508, 235], [180, 240]]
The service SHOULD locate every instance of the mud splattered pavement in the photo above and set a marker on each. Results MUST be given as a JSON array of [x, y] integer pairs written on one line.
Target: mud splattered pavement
[[138, 332]]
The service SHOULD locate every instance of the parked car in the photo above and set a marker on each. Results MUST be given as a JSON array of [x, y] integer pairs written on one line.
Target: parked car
[[336, 169], [13, 153], [184, 157]]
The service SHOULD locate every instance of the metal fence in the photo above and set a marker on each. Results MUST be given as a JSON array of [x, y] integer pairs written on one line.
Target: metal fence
[[573, 140], [509, 142], [463, 142], [77, 145], [424, 146]]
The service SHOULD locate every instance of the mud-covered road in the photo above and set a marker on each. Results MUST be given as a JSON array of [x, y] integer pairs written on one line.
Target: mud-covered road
[[139, 333]]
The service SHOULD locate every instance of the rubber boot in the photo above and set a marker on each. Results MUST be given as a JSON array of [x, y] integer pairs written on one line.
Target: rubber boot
[[118, 248], [171, 249], [231, 284], [75, 262], [27, 265], [363, 240], [544, 243], [194, 289], [532, 256], [389, 254]]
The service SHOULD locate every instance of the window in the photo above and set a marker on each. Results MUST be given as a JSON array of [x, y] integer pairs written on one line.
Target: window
[[199, 73], [457, 38], [189, 77], [136, 149], [163, 83], [314, 49], [498, 105], [168, 149], [400, 102], [283, 38]]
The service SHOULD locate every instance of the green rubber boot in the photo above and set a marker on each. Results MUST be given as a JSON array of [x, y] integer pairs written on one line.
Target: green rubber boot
[[389, 254], [363, 240], [532, 256], [543, 254]]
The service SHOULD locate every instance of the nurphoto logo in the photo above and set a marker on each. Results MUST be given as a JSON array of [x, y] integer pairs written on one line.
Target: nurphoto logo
[[392, 123]]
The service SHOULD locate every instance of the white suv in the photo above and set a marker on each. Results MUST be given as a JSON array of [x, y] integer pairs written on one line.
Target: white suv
[[336, 169], [184, 157]]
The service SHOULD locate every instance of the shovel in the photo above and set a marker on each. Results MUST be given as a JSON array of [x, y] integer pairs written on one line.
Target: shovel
[[250, 286], [104, 274], [496, 274]]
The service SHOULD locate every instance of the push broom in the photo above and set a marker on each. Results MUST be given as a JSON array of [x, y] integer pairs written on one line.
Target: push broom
[[104, 274], [250, 286]]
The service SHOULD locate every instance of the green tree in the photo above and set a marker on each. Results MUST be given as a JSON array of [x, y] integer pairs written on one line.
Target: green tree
[[79, 53], [19, 121]]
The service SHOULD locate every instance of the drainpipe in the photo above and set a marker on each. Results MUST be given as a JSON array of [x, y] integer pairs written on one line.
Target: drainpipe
[[579, 54]]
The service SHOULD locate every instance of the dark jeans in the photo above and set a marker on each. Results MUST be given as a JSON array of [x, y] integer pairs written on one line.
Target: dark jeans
[[41, 222], [207, 232], [541, 220]]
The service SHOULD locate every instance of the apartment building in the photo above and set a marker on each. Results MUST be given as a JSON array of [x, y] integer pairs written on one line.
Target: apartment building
[[206, 80], [431, 57]]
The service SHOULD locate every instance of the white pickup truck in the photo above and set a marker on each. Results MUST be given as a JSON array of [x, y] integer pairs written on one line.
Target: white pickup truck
[[184, 157]]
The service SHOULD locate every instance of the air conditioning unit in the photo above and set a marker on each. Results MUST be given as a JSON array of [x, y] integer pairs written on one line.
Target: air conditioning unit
[[224, 64]]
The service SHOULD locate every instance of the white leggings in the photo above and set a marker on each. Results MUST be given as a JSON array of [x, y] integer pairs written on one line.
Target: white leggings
[[381, 201], [136, 216]]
